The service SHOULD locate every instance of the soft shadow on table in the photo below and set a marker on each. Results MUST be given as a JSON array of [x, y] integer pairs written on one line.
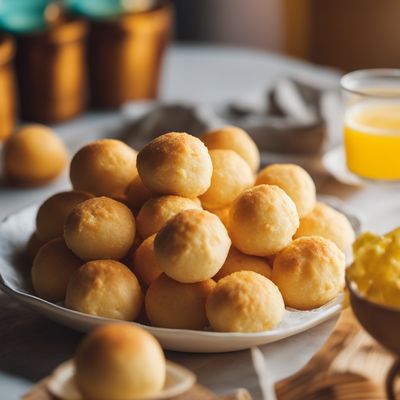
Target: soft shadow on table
[[31, 346], [217, 370]]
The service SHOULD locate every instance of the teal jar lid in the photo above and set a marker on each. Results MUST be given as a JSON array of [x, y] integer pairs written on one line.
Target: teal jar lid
[[108, 9], [23, 16]]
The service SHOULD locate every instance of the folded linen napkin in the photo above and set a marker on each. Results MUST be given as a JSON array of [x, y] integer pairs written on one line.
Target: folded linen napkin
[[292, 117]]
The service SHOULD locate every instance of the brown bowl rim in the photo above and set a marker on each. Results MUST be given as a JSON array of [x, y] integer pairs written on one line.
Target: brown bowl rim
[[352, 287]]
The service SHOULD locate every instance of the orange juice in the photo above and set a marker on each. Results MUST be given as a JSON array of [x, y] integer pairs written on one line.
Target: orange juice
[[372, 139]]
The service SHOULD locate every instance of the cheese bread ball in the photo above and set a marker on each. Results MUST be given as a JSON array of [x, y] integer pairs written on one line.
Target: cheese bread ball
[[295, 181], [171, 304], [52, 269], [137, 194], [309, 272], [192, 247], [33, 246], [157, 211], [105, 288], [262, 220], [119, 362], [236, 139], [222, 214], [34, 155], [51, 215], [105, 168], [145, 265], [237, 261], [231, 175], [175, 163], [245, 302], [100, 228], [325, 221]]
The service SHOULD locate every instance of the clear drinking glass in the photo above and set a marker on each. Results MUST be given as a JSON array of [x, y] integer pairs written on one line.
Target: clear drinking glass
[[372, 123]]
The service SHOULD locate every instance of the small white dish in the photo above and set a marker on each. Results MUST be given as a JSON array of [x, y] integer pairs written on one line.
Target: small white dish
[[62, 384], [15, 280], [334, 161]]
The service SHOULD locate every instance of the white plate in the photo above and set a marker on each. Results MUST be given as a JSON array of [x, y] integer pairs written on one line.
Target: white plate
[[62, 383], [334, 161], [15, 280]]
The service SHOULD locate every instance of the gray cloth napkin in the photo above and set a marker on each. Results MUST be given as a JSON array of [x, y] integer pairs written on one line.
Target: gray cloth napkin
[[292, 117]]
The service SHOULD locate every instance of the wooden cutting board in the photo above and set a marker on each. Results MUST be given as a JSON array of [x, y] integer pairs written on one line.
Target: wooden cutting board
[[350, 366]]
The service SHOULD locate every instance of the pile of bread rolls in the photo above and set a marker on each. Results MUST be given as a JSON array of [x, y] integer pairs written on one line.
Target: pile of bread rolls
[[188, 234]]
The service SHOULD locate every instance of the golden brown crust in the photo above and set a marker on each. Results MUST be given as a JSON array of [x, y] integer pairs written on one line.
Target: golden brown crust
[[33, 246], [329, 223], [106, 288], [137, 194], [171, 304], [100, 228], [105, 168], [145, 265], [295, 181], [231, 175], [222, 214], [192, 246], [119, 362], [309, 272], [51, 215], [238, 261], [236, 139], [245, 302], [52, 269], [175, 163], [34, 155], [157, 211], [262, 220]]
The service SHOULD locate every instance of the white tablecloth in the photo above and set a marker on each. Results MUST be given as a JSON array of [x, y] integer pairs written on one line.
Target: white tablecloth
[[214, 76]]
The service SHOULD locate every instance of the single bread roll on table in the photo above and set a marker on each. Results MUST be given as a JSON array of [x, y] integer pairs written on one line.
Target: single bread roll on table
[[192, 247], [105, 288], [34, 155], [171, 304], [100, 228], [175, 163], [119, 362]]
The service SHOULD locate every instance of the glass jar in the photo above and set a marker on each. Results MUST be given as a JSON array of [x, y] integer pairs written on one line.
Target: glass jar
[[372, 123], [51, 72], [7, 87], [125, 56]]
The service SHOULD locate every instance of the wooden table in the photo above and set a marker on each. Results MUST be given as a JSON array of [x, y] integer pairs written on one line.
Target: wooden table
[[30, 346]]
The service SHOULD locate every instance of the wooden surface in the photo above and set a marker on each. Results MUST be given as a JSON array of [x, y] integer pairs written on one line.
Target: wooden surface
[[350, 366]]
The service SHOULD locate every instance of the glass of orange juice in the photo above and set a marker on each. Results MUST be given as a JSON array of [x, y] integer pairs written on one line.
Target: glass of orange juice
[[372, 123]]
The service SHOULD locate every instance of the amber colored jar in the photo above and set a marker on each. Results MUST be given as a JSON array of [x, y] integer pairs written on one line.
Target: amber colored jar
[[51, 72], [7, 87], [125, 56]]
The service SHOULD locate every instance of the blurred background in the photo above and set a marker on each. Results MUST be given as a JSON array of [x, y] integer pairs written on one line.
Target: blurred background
[[59, 58], [347, 34]]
